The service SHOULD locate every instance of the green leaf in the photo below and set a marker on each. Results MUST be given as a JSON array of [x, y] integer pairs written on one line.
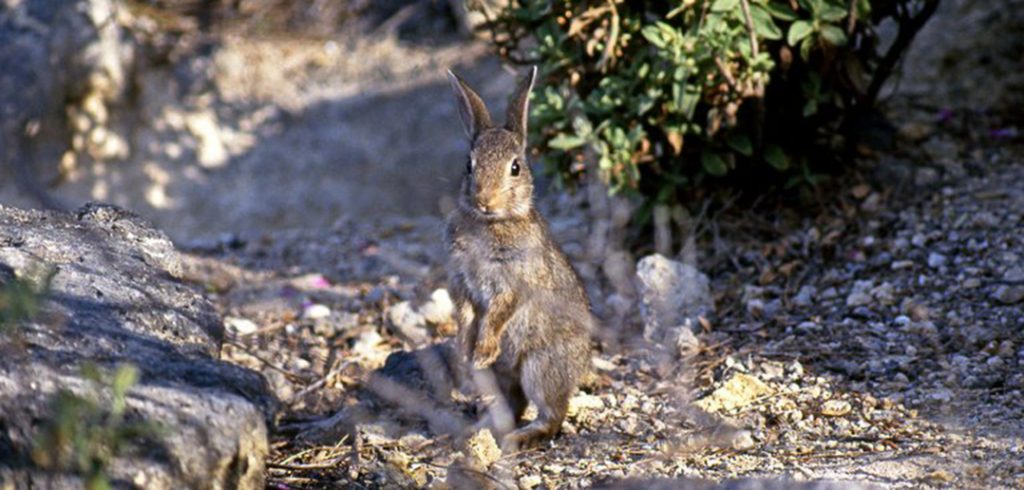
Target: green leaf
[[724, 5], [834, 35], [798, 31], [741, 143], [776, 158], [653, 35], [810, 107], [676, 11], [566, 142], [780, 11], [832, 14], [764, 26], [805, 48], [713, 163]]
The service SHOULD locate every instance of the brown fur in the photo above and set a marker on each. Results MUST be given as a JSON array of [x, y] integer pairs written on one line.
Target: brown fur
[[521, 309]]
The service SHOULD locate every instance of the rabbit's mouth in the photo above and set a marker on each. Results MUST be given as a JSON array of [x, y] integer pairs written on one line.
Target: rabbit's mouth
[[489, 213]]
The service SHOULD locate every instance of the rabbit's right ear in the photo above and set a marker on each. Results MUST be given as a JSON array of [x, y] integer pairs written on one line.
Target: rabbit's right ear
[[472, 110]]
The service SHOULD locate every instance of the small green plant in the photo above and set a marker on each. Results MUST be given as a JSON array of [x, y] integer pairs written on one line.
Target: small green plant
[[666, 96], [21, 297], [86, 432]]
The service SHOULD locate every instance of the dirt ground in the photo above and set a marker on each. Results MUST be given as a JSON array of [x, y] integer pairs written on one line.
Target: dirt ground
[[874, 338]]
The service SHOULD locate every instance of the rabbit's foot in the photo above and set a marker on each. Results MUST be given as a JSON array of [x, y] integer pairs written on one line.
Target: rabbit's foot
[[487, 352]]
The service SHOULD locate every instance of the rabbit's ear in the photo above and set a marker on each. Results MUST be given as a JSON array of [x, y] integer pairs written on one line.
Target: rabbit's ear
[[472, 110], [519, 105]]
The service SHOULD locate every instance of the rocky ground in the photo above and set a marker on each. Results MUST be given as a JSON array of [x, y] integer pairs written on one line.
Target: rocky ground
[[874, 337], [878, 340]]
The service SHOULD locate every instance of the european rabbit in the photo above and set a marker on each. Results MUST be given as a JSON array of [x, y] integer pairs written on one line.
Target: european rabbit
[[521, 309]]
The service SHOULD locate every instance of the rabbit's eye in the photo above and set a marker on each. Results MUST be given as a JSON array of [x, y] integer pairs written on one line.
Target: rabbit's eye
[[515, 167], [469, 165]]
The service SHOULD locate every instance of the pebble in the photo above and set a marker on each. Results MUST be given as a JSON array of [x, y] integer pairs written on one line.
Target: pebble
[[408, 324], [241, 326], [584, 401], [737, 392], [936, 260], [527, 482], [316, 311], [943, 395], [742, 440], [860, 295], [687, 343], [482, 448], [901, 264], [805, 296], [1008, 295], [836, 408], [808, 327], [439, 308]]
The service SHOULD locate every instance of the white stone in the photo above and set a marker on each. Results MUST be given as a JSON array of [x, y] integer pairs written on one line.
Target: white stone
[[241, 326]]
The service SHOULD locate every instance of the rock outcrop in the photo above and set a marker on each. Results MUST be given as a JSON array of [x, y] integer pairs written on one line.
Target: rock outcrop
[[114, 299]]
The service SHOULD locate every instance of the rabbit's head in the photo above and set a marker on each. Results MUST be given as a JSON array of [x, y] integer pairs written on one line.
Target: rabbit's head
[[498, 182]]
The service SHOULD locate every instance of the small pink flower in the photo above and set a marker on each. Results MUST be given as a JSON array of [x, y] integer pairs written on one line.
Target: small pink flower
[[320, 282]]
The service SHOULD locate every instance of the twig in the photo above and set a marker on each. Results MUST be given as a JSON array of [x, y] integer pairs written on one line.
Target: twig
[[851, 18], [724, 70], [750, 27], [305, 467], [320, 382], [613, 38], [754, 50], [909, 26], [288, 374]]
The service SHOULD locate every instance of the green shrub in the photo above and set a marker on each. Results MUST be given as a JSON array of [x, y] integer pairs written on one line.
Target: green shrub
[[668, 95]]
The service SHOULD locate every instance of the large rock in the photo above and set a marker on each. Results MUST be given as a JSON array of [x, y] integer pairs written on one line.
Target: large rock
[[114, 299], [673, 295]]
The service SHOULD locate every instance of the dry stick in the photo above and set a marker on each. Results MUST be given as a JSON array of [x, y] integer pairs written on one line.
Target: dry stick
[[613, 38], [322, 381], [754, 48], [851, 18], [330, 464], [288, 374], [299, 454], [750, 27]]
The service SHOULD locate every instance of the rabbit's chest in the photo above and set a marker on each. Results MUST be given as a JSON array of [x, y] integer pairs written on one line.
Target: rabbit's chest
[[488, 268]]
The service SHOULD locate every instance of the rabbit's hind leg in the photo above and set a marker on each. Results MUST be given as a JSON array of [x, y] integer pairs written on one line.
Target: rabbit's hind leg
[[549, 387]]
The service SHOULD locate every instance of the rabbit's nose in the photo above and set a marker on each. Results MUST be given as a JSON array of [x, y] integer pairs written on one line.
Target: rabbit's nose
[[486, 203]]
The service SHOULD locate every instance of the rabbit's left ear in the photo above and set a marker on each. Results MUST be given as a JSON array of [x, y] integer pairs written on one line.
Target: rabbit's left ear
[[519, 105]]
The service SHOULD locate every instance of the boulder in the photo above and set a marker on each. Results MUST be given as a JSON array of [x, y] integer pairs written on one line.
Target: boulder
[[114, 299], [672, 297]]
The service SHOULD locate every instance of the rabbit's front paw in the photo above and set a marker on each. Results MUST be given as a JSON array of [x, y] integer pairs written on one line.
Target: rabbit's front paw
[[487, 351]]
